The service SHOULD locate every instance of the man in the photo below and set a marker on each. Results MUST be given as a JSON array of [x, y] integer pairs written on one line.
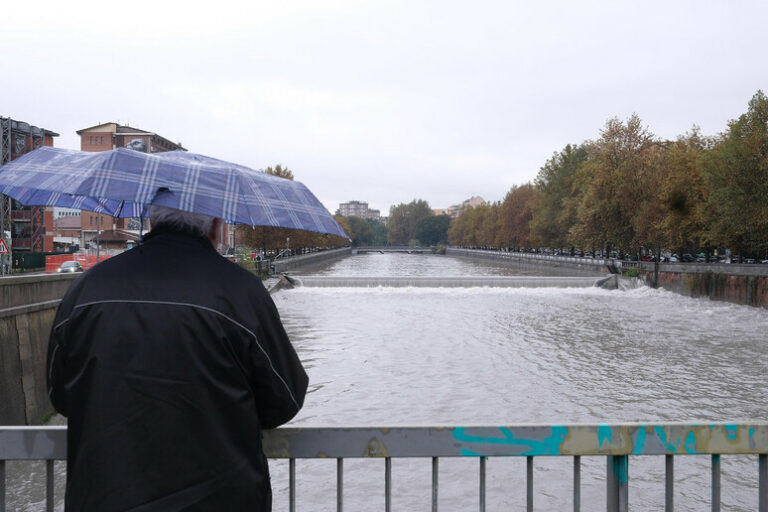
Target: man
[[168, 360]]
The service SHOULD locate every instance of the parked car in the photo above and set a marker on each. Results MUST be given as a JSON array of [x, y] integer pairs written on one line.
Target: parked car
[[70, 266], [688, 258]]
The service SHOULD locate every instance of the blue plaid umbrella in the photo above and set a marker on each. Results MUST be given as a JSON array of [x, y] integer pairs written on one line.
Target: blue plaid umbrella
[[123, 183]]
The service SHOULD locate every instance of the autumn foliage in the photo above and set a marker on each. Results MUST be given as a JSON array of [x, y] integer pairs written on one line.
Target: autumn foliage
[[630, 191]]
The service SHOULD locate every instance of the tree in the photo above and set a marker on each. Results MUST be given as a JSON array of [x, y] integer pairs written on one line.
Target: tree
[[683, 191], [360, 231], [379, 231], [737, 173], [554, 216], [274, 238], [613, 184], [403, 218], [433, 230], [516, 214], [280, 172]]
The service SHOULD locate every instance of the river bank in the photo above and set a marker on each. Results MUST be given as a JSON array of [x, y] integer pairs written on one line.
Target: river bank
[[738, 284]]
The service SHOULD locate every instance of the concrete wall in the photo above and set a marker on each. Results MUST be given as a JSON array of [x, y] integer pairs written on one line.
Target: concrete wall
[[26, 314], [740, 284], [294, 262], [588, 266]]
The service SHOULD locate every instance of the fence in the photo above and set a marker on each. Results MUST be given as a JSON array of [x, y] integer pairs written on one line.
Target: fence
[[615, 441]]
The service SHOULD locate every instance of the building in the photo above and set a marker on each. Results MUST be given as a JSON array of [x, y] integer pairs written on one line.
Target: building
[[30, 228], [454, 210], [358, 209], [106, 136]]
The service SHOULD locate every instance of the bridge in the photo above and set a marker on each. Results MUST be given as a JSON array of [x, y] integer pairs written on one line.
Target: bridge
[[615, 442], [394, 248]]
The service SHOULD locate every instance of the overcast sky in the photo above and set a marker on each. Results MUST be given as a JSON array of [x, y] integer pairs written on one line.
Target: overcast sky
[[383, 101]]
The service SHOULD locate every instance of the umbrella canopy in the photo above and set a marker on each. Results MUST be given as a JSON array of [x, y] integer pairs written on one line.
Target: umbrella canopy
[[124, 183]]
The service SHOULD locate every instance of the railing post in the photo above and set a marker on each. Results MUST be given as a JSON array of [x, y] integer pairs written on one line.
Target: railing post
[[716, 483], [339, 484], [762, 470], [388, 484], [2, 486], [576, 483], [482, 484], [669, 487], [292, 484], [435, 467], [617, 483], [529, 483], [49, 485]]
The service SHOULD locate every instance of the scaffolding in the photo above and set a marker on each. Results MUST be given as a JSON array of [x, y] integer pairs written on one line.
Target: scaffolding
[[16, 138], [5, 202]]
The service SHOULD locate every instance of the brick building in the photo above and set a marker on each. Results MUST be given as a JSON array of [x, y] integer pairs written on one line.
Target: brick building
[[31, 228], [105, 137], [108, 136]]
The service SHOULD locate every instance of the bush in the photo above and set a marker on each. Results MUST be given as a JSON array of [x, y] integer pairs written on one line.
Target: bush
[[631, 272]]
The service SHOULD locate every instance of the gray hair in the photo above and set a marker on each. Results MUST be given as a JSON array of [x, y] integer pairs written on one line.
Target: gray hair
[[179, 220]]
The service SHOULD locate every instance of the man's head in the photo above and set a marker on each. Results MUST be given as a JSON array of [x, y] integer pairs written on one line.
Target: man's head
[[185, 222]]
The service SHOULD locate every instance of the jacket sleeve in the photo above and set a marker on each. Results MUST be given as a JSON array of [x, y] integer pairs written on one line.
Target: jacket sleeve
[[279, 381], [56, 364]]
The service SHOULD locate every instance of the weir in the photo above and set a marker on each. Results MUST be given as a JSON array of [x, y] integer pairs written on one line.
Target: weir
[[450, 282]]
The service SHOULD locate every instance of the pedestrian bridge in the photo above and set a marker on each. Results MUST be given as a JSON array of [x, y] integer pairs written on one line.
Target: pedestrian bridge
[[616, 442]]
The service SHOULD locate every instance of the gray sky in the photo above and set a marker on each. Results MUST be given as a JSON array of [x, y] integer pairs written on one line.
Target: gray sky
[[383, 101]]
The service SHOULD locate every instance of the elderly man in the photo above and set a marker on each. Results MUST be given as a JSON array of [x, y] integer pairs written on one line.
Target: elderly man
[[168, 360]]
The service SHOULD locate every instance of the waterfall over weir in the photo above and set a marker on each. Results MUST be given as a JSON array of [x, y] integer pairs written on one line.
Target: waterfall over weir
[[450, 282]]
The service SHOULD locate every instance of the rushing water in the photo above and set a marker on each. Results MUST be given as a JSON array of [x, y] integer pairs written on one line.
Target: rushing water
[[456, 356], [495, 356]]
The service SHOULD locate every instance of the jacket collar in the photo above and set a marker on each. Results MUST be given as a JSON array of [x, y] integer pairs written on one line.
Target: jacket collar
[[164, 232]]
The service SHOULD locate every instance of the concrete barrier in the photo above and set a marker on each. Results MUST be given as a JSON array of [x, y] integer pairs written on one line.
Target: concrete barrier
[[27, 311], [305, 260]]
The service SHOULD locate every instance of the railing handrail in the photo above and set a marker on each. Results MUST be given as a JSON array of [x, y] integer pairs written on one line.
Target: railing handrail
[[49, 442], [614, 441]]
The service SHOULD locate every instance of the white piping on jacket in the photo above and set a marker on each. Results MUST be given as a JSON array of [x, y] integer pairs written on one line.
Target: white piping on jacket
[[196, 306]]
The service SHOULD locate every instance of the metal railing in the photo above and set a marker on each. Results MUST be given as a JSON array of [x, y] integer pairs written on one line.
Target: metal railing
[[614, 441]]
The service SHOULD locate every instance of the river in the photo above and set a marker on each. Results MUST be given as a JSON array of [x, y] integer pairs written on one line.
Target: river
[[386, 356]]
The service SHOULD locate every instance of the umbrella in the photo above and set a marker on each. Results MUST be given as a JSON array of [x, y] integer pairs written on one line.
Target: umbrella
[[124, 183]]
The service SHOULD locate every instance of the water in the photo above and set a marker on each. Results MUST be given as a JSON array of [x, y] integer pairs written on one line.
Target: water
[[428, 356]]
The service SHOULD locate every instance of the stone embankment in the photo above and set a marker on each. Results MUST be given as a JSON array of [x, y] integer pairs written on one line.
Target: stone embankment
[[306, 260], [739, 284]]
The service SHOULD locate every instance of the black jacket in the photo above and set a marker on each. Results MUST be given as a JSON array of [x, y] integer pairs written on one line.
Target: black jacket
[[168, 360]]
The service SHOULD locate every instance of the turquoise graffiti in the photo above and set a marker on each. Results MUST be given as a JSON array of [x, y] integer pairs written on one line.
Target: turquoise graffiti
[[549, 445], [689, 445], [604, 433]]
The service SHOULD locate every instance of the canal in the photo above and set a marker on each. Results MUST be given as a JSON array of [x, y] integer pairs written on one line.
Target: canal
[[415, 356]]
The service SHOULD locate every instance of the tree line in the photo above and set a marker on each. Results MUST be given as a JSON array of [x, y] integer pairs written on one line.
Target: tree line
[[626, 191], [630, 191]]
